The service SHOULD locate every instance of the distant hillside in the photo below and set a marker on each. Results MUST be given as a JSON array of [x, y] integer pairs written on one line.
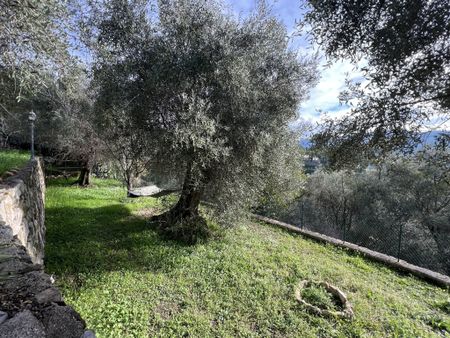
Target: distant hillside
[[428, 138]]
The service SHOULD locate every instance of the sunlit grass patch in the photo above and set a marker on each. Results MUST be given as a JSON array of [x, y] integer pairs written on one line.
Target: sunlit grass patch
[[12, 159], [127, 281]]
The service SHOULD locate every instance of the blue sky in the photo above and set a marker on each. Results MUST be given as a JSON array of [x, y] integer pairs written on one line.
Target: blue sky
[[324, 97]]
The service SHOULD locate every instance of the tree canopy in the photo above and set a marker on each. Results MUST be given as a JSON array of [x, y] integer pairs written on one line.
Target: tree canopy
[[213, 94], [38, 70], [406, 45]]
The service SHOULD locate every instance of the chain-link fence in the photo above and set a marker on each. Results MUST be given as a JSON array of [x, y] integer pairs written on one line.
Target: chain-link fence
[[410, 241]]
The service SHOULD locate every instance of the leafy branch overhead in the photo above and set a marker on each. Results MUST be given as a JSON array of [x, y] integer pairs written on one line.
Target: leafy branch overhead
[[34, 40], [406, 48]]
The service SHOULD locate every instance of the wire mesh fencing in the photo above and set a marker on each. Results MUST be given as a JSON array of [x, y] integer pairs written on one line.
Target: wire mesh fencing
[[409, 241]]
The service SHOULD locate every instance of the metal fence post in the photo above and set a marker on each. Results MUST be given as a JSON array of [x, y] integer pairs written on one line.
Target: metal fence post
[[400, 235], [32, 118], [302, 222]]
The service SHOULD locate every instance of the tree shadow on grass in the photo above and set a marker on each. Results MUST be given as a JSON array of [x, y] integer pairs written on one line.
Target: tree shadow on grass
[[109, 238]]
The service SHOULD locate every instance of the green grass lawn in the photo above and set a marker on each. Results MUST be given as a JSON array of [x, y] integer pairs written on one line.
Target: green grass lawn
[[128, 282], [12, 159]]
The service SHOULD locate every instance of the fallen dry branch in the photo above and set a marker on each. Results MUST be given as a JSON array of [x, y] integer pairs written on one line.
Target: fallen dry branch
[[347, 311]]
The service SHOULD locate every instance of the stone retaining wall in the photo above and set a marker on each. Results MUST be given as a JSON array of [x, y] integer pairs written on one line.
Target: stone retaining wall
[[22, 208], [30, 305]]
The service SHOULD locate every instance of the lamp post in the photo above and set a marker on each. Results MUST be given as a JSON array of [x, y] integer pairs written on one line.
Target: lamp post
[[32, 118]]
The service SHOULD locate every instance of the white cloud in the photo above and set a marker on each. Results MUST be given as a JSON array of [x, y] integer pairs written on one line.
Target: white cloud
[[324, 97]]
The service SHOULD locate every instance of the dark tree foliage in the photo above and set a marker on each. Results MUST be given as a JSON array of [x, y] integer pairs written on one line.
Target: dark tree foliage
[[116, 31], [407, 47], [33, 42]]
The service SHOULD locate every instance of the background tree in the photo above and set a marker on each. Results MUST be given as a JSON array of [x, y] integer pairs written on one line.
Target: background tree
[[407, 196], [123, 143], [214, 96], [117, 29], [406, 45], [284, 179], [38, 72], [69, 130], [73, 133]]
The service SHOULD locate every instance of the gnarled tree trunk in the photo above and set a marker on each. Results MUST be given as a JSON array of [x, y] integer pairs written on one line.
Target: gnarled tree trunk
[[187, 207], [190, 197], [129, 182], [183, 222], [188, 203], [84, 178]]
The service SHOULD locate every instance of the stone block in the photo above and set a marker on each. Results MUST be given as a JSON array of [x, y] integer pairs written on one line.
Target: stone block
[[63, 321], [22, 325]]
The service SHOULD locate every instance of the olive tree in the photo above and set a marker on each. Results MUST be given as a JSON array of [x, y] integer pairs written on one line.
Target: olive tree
[[213, 95], [65, 125], [123, 143], [116, 30]]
